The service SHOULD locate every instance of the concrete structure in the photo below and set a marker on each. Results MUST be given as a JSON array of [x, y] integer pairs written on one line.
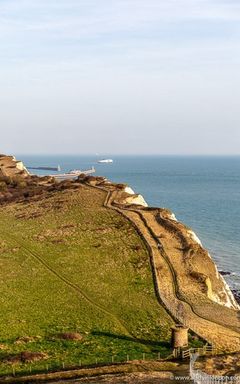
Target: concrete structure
[[179, 336]]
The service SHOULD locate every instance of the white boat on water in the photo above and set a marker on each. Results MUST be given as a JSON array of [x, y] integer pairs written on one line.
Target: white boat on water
[[105, 161]]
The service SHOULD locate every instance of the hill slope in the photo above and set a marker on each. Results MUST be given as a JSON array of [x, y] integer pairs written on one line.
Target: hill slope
[[88, 271], [68, 264]]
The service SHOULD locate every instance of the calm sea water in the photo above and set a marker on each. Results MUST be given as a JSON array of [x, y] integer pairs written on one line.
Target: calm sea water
[[203, 192]]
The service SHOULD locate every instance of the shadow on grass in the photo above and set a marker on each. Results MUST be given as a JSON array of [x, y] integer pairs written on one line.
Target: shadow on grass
[[151, 343]]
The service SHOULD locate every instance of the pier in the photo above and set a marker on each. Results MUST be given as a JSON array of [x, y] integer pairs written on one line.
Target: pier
[[58, 168]]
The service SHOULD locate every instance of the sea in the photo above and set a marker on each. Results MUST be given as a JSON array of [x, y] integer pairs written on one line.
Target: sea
[[202, 191]]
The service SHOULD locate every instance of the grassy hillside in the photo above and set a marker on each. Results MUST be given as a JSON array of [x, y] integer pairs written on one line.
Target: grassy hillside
[[67, 264]]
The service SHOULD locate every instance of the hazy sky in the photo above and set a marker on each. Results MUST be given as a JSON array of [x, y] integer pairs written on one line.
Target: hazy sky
[[120, 76]]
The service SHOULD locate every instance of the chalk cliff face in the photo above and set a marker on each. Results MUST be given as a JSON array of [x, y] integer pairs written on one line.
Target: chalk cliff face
[[128, 197], [196, 264], [197, 273], [134, 198], [11, 167]]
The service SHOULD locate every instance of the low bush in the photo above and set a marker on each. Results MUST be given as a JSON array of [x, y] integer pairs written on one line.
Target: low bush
[[3, 186]]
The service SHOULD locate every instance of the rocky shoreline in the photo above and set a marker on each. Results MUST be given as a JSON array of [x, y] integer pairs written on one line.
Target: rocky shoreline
[[236, 292]]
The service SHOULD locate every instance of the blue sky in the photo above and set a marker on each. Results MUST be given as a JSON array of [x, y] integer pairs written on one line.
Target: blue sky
[[120, 76]]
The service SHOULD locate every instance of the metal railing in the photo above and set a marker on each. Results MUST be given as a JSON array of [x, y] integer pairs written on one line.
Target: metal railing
[[186, 353]]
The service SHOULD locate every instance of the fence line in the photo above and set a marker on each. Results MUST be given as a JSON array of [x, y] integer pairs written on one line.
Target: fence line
[[187, 353], [55, 366]]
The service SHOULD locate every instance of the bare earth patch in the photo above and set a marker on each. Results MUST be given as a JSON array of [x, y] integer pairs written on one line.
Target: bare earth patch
[[26, 357], [70, 336]]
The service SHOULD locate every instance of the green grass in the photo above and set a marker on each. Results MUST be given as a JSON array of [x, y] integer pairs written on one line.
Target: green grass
[[67, 264]]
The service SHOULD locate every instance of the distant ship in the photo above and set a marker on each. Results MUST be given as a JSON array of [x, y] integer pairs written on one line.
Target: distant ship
[[105, 161]]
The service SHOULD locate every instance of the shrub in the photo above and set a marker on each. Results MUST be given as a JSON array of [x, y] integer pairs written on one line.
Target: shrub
[[6, 179], [22, 184], [16, 181], [26, 194], [3, 186]]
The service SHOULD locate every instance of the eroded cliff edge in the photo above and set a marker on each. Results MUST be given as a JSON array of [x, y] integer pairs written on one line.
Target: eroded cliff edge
[[196, 270], [11, 167], [186, 279]]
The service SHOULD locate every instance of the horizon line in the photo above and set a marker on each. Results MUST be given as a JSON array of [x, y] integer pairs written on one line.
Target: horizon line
[[130, 154]]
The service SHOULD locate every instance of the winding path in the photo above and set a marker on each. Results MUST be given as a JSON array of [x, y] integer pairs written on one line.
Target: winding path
[[164, 276], [165, 281], [68, 282]]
